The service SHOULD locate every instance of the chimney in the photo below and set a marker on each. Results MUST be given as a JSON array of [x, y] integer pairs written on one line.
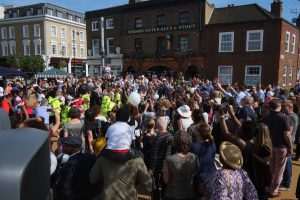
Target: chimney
[[298, 21], [276, 8]]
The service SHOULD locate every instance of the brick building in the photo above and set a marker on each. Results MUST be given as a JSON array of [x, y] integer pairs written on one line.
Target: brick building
[[157, 36], [48, 30], [249, 44]]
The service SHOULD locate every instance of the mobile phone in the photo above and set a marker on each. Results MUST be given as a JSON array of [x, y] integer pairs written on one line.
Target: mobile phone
[[19, 107], [49, 110]]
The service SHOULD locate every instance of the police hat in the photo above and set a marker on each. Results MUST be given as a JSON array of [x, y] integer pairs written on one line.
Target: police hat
[[72, 141]]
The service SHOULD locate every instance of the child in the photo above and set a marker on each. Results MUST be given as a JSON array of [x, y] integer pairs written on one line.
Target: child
[[99, 143]]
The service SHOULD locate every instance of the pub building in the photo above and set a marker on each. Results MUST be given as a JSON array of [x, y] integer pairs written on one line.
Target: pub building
[[160, 37]]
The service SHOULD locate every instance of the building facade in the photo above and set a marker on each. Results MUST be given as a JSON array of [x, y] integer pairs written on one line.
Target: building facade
[[55, 33], [157, 36], [249, 44]]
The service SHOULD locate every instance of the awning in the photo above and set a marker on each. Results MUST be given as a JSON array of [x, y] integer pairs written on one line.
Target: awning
[[52, 73], [4, 71]]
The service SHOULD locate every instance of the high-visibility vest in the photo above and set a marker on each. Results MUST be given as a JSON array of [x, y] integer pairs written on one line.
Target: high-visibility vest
[[55, 103], [64, 114], [107, 105]]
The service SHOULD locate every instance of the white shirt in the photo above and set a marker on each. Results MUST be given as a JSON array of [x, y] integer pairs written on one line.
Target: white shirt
[[1, 91], [119, 136]]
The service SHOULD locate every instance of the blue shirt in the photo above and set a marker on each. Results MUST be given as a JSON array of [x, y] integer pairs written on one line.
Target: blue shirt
[[42, 112], [238, 97], [261, 96]]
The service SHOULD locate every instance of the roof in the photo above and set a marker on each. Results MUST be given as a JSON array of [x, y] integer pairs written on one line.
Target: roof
[[52, 73], [4, 71], [244, 13], [133, 6]]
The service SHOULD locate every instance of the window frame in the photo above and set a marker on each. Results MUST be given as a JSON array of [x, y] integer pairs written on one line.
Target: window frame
[[220, 41], [4, 48], [74, 56], [180, 42], [12, 44], [25, 44], [49, 11], [108, 47], [261, 31], [39, 11], [61, 52], [59, 13], [11, 36], [78, 19], [138, 23], [31, 12], [52, 45], [247, 75], [109, 23], [94, 28], [63, 33], [284, 75], [231, 74], [287, 41], [293, 44], [185, 19], [53, 35], [93, 47], [3, 33], [24, 28], [291, 73], [81, 36], [81, 54], [34, 30], [37, 43], [70, 17], [163, 18]]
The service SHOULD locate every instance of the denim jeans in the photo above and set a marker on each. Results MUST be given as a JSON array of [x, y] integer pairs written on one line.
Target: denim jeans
[[286, 181]]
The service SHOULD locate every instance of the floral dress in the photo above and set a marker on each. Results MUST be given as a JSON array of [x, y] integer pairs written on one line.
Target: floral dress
[[231, 184]]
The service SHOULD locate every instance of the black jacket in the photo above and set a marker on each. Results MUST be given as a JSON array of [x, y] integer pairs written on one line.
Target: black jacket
[[74, 178], [95, 99]]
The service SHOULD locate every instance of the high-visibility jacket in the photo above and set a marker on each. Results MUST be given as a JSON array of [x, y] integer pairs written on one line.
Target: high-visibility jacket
[[117, 99], [55, 103], [107, 105], [64, 114]]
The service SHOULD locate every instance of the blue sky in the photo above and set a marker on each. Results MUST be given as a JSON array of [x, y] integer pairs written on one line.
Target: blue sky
[[87, 5]]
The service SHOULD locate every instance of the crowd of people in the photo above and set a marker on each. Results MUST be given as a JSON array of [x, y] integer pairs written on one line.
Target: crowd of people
[[167, 137]]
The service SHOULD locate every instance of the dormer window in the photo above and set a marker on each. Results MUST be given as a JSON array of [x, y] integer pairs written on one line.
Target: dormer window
[[15, 14], [7, 15], [29, 12]]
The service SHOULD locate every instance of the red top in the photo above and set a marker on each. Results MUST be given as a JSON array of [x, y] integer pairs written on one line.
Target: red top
[[5, 105]]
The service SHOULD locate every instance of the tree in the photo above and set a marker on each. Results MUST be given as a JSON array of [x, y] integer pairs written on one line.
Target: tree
[[62, 65], [26, 63]]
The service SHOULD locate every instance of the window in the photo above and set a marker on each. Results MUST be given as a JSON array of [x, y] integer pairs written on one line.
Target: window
[[40, 11], [184, 18], [7, 15], [138, 23], [183, 42], [255, 40], [74, 51], [78, 19], [109, 23], [25, 31], [36, 30], [54, 49], [96, 47], [291, 76], [161, 20], [3, 33], [12, 47], [11, 32], [26, 47], [81, 36], [252, 75], [63, 33], [110, 45], [15, 14], [28, 12], [81, 52], [95, 26], [4, 49], [49, 11], [293, 43], [73, 36], [287, 41], [138, 43], [37, 47], [63, 50], [70, 17], [161, 42], [284, 74], [53, 31], [59, 14], [225, 74], [226, 41]]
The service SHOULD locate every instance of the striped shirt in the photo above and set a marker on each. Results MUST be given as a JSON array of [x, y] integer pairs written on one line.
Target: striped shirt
[[161, 148]]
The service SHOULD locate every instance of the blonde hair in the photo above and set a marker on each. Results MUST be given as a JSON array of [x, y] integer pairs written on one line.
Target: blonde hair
[[263, 137]]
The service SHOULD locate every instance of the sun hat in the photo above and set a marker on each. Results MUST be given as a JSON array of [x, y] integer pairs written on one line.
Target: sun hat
[[184, 111], [231, 155]]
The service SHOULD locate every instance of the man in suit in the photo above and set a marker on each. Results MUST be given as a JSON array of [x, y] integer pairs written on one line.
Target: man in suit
[[95, 97], [73, 183]]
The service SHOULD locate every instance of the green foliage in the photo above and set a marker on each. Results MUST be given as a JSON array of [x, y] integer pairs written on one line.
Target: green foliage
[[62, 65], [26, 63]]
